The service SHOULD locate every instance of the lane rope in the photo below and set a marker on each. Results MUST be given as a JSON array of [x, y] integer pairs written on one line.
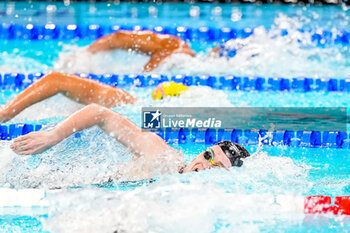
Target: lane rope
[[227, 82], [313, 139], [94, 31]]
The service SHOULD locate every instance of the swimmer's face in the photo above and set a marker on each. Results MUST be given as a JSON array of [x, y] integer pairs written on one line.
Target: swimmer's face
[[201, 163]]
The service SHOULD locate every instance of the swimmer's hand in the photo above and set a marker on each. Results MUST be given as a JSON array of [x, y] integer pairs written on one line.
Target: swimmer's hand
[[214, 52], [33, 143]]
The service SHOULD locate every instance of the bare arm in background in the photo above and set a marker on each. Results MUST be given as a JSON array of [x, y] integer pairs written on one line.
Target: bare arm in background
[[158, 46], [79, 89], [112, 123]]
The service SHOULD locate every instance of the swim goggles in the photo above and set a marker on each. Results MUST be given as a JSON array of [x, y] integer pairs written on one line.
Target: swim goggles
[[209, 155]]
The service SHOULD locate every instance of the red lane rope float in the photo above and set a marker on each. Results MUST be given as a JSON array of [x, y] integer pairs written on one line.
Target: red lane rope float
[[319, 204]]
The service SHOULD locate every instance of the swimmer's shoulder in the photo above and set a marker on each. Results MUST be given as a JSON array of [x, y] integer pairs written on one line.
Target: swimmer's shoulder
[[140, 33], [174, 155]]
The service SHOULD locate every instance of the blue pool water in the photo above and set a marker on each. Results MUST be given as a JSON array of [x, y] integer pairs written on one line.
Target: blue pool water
[[173, 14], [273, 171], [243, 199], [294, 55]]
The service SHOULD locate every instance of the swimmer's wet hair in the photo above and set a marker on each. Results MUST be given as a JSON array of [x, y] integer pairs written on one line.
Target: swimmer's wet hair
[[234, 152]]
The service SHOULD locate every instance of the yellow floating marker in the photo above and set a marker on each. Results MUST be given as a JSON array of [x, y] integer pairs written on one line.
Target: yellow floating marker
[[168, 89]]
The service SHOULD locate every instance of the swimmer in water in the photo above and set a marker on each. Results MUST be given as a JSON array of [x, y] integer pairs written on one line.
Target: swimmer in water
[[156, 155], [151, 151], [82, 90], [157, 46]]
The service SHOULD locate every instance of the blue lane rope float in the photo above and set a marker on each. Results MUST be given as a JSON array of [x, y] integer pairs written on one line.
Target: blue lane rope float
[[91, 32], [228, 82], [9, 132], [315, 139]]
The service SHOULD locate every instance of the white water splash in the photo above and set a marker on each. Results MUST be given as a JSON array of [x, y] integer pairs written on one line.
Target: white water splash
[[196, 97], [75, 59], [17, 63], [197, 202], [201, 202], [54, 107], [266, 53], [75, 161]]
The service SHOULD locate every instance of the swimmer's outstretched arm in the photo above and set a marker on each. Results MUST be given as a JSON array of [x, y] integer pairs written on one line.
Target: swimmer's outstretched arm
[[116, 40], [114, 124], [155, 60], [79, 89], [131, 40], [158, 46]]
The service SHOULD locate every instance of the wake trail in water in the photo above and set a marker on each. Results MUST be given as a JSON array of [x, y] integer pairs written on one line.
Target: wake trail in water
[[212, 196], [266, 53], [17, 63]]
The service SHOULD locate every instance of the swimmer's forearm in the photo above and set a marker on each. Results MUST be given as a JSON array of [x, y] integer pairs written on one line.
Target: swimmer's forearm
[[108, 42], [85, 118], [102, 44], [37, 142], [71, 86], [112, 123]]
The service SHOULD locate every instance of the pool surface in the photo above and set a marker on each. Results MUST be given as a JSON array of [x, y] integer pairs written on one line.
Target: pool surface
[[264, 195]]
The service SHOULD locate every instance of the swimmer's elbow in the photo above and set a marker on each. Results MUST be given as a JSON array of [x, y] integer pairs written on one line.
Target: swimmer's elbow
[[216, 49], [104, 116], [99, 112], [94, 107], [190, 52], [149, 67]]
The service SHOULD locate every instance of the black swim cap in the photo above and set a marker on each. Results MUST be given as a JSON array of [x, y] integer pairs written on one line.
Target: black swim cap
[[234, 152]]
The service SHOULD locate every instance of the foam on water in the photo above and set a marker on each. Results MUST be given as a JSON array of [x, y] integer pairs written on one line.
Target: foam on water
[[16, 62], [289, 99], [58, 107], [75, 161], [196, 97], [208, 201], [84, 160], [266, 53], [79, 160], [74, 59], [55, 107]]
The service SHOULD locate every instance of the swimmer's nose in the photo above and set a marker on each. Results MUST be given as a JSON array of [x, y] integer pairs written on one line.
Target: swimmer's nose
[[200, 167]]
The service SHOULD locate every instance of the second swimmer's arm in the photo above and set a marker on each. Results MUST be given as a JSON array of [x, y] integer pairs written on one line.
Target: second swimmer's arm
[[155, 60], [82, 90], [116, 40], [114, 124]]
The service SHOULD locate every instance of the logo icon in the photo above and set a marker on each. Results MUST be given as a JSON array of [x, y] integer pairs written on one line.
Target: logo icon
[[151, 119]]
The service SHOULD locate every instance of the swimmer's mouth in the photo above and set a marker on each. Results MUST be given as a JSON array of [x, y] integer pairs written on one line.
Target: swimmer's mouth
[[195, 168]]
